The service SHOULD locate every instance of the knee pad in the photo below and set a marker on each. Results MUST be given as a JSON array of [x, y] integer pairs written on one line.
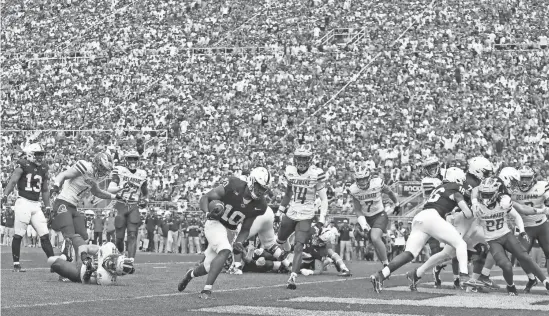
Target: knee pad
[[132, 235]]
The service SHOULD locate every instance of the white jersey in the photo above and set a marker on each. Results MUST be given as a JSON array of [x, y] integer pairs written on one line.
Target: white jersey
[[131, 182], [304, 186], [73, 189], [494, 221], [371, 198], [535, 197], [428, 185], [101, 276]]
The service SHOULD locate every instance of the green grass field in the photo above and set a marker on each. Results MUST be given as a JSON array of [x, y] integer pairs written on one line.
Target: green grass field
[[153, 291]]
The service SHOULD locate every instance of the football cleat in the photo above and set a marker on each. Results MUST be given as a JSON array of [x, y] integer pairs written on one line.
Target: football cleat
[[345, 273], [234, 269], [205, 295], [89, 270], [63, 279], [457, 284], [17, 268], [473, 283], [512, 290], [488, 282], [377, 282], [436, 274], [291, 282], [531, 283], [183, 284], [413, 280]]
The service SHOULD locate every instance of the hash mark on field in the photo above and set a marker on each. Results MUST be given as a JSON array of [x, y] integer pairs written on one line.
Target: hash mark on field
[[283, 311], [173, 294]]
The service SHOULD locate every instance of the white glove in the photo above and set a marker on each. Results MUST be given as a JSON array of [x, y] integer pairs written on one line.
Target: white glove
[[306, 272]]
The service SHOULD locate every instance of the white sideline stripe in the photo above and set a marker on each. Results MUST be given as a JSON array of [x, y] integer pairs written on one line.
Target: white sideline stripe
[[138, 264], [284, 311], [462, 301], [173, 294]]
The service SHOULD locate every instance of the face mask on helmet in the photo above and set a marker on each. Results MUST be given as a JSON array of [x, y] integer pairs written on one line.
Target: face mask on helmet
[[132, 163], [363, 183], [118, 264], [432, 170], [526, 182], [302, 163], [257, 190], [488, 198]]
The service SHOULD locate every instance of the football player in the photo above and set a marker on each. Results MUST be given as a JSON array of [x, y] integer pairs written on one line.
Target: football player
[[304, 182], [131, 183], [263, 227], [534, 194], [494, 207], [479, 168], [433, 177], [319, 247], [368, 206], [31, 177], [241, 203], [430, 222], [94, 265], [71, 184]]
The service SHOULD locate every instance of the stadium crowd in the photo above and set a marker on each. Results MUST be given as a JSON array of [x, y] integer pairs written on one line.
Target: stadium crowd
[[207, 89]]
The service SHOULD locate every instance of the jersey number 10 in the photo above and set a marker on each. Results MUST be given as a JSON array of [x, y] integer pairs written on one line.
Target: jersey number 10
[[232, 216]]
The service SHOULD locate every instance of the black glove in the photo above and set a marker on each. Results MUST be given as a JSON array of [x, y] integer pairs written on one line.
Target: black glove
[[396, 210], [55, 190], [238, 248]]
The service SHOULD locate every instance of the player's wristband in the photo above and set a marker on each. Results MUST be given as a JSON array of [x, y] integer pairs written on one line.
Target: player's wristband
[[282, 209]]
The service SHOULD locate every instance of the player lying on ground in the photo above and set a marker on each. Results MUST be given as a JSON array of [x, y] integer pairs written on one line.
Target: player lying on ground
[[233, 203], [92, 265], [263, 227], [430, 222], [367, 194], [31, 177]]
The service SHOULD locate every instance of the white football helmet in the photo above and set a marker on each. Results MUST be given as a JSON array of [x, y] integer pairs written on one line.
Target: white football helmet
[[326, 235], [454, 174], [510, 177], [35, 153], [489, 191], [102, 164], [527, 178], [480, 167], [132, 159], [259, 181], [303, 158], [362, 177], [431, 167], [118, 264]]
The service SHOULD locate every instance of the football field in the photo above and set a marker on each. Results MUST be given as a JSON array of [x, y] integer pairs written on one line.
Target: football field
[[153, 291]]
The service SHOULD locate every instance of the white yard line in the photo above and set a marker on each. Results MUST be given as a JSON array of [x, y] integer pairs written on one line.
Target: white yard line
[[171, 294]]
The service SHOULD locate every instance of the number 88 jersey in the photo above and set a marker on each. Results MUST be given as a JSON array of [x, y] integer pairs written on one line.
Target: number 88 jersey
[[304, 187], [370, 199]]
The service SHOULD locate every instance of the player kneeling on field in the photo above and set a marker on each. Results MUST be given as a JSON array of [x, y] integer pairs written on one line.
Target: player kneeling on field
[[93, 265]]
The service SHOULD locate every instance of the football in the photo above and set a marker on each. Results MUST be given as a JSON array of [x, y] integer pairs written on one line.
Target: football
[[216, 207]]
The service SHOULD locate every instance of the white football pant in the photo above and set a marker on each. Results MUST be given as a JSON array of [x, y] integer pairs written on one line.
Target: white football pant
[[218, 240], [29, 212]]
